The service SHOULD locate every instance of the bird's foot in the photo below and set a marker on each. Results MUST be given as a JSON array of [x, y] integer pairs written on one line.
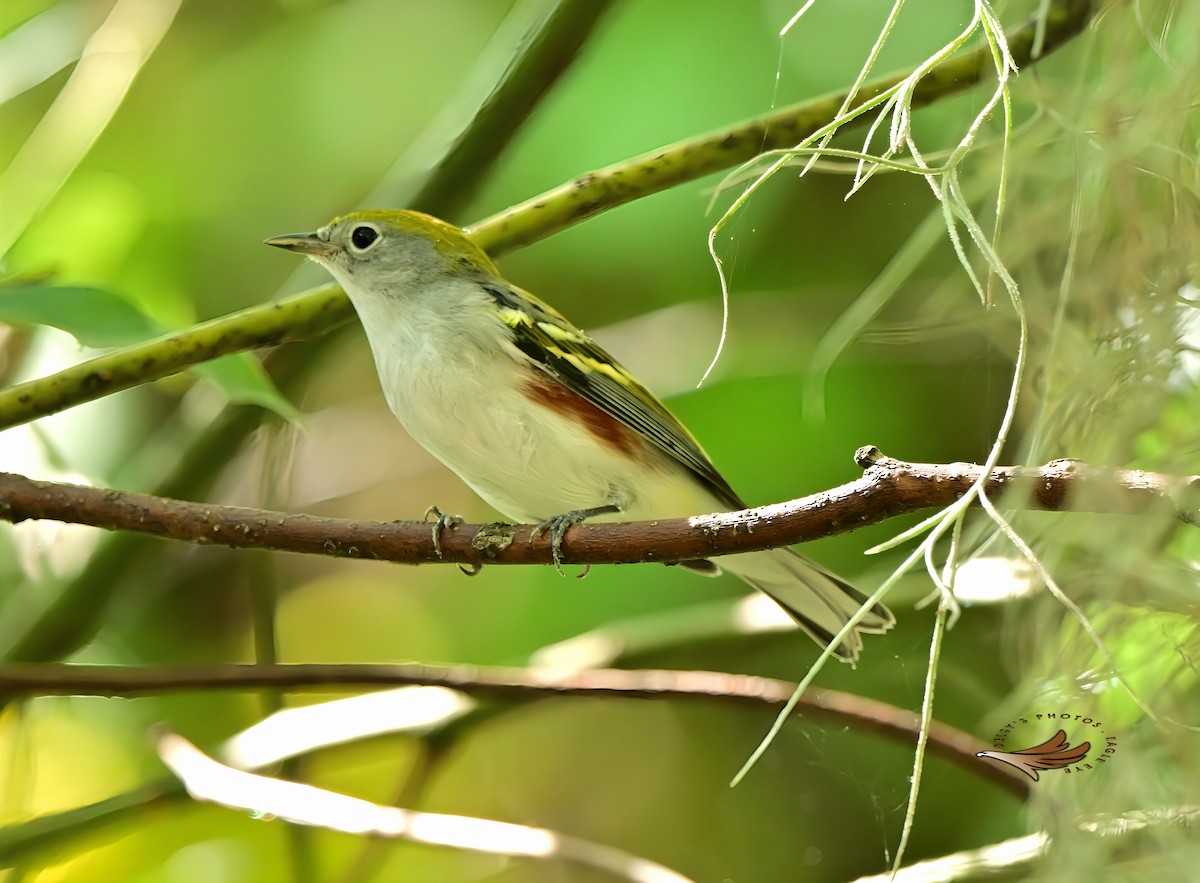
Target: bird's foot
[[558, 525], [441, 522]]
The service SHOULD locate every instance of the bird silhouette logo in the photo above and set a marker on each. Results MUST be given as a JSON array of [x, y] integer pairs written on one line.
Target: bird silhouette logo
[[1053, 754]]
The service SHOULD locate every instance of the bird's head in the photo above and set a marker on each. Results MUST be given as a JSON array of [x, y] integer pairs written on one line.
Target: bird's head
[[390, 252]]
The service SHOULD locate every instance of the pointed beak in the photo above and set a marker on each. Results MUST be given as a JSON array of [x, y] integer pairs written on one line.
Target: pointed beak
[[304, 243]]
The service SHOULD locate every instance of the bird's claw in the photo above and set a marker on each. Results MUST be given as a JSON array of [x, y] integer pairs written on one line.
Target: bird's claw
[[441, 522], [557, 527]]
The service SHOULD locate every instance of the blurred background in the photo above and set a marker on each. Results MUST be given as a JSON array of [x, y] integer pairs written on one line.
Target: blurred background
[[147, 148]]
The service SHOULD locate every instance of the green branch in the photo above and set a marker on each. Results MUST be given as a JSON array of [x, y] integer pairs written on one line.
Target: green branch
[[317, 311], [694, 158], [299, 317]]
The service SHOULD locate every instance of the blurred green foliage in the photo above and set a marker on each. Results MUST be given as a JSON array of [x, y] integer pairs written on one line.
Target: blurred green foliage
[[252, 119]]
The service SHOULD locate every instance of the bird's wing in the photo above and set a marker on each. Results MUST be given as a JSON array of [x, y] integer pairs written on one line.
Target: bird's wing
[[568, 355]]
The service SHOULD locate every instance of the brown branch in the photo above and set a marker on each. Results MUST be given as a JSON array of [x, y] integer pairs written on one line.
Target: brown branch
[[886, 720], [888, 488]]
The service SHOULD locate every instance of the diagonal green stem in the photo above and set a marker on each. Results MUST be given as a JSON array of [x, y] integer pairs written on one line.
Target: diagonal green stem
[[299, 317], [694, 158], [545, 54]]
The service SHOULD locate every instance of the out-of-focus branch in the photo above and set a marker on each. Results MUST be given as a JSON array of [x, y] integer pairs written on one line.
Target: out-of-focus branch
[[1013, 859], [206, 779], [546, 53], [888, 488], [518, 684]]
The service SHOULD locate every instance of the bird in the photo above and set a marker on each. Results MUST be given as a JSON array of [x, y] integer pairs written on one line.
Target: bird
[[540, 421]]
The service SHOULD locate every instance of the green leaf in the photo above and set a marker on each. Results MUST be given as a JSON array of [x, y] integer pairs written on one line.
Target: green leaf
[[242, 377], [94, 317]]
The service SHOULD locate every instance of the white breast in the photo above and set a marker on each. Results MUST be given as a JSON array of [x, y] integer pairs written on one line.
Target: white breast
[[455, 383]]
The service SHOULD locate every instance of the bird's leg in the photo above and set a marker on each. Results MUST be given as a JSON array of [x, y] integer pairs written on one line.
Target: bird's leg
[[558, 528], [440, 523]]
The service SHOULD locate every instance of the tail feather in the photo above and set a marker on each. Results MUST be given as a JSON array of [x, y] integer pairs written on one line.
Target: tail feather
[[819, 602]]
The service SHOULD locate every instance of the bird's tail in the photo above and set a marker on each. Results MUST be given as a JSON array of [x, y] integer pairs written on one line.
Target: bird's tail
[[820, 602]]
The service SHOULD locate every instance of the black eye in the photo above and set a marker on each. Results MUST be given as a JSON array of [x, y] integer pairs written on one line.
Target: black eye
[[363, 237]]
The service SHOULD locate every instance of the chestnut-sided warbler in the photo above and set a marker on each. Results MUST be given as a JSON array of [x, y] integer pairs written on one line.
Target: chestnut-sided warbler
[[540, 421]]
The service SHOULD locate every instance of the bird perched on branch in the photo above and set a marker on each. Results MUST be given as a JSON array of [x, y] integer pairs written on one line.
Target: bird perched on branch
[[530, 412]]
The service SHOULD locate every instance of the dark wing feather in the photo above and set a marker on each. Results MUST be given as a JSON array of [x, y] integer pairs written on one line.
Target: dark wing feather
[[568, 355]]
